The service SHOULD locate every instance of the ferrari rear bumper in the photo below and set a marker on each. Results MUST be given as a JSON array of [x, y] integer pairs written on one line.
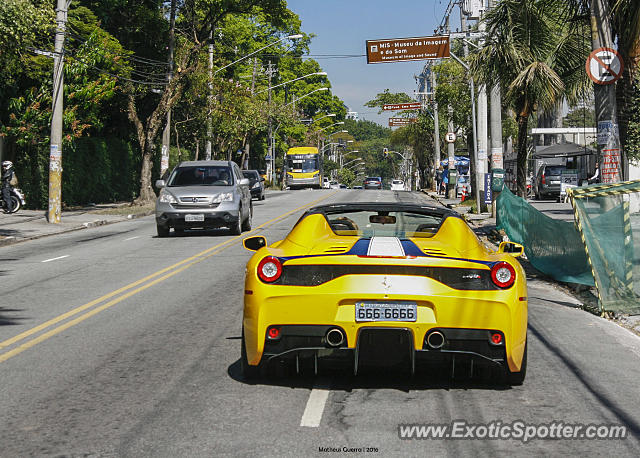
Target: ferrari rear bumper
[[380, 346]]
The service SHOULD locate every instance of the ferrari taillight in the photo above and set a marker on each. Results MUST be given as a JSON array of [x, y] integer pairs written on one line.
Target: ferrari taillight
[[503, 274], [269, 269]]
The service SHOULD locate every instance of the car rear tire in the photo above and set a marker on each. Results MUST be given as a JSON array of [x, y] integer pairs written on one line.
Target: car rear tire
[[249, 372], [262, 196], [517, 378], [163, 231]]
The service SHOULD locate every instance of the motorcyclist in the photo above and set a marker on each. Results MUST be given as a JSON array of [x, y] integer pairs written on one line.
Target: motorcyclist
[[8, 177]]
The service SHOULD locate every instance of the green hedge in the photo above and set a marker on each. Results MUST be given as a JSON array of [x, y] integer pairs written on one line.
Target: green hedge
[[94, 170]]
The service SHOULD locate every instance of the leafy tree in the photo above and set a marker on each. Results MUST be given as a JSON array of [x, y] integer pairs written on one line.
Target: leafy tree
[[347, 176], [366, 130], [580, 117], [196, 21], [387, 97], [537, 60]]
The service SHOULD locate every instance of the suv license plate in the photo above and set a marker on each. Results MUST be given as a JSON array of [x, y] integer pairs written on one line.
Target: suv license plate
[[192, 218], [386, 311]]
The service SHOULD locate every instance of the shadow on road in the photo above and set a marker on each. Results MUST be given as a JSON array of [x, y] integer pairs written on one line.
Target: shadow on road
[[371, 378], [9, 320], [598, 392]]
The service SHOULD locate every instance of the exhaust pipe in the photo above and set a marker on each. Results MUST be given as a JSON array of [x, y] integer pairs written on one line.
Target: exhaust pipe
[[435, 340], [335, 337]]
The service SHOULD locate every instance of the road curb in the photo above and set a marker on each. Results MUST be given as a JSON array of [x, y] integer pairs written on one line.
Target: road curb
[[10, 240]]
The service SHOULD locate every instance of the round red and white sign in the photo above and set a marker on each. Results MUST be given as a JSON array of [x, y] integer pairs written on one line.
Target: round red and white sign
[[604, 66]]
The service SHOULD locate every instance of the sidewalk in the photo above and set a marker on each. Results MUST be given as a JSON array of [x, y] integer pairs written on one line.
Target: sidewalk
[[32, 224]]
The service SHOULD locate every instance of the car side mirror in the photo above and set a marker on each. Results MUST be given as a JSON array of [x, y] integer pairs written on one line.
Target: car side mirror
[[160, 184], [244, 181], [512, 248], [254, 243]]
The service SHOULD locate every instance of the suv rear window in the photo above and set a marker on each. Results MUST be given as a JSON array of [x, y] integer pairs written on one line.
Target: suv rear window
[[251, 174], [554, 170]]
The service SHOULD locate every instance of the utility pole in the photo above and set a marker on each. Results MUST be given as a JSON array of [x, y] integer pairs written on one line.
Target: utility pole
[[55, 149], [207, 148], [483, 140], [497, 156], [610, 154], [475, 184], [271, 150], [166, 133], [450, 145], [436, 153]]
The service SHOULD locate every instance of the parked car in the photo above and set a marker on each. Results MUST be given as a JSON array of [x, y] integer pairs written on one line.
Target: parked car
[[326, 183], [373, 183], [343, 186], [548, 181], [334, 185], [256, 183], [397, 185], [204, 195], [357, 187]]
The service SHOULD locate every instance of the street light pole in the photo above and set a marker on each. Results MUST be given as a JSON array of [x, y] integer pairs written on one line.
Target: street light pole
[[166, 133], [436, 123]]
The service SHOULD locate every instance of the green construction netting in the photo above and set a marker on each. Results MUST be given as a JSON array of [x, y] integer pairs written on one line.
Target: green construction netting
[[609, 218], [554, 247]]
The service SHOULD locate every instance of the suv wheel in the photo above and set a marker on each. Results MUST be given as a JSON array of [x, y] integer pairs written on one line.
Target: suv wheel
[[246, 225], [236, 227], [163, 231]]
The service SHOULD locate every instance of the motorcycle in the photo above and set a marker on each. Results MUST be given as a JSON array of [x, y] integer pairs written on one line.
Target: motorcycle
[[17, 198]]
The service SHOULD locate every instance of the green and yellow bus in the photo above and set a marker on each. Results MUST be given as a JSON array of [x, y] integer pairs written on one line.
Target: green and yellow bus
[[304, 168]]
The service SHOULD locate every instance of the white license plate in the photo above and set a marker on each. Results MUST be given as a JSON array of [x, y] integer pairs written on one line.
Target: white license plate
[[194, 218], [386, 311]]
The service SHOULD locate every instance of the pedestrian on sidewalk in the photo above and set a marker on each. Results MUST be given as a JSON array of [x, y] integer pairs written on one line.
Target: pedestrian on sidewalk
[[9, 179], [439, 179], [445, 181]]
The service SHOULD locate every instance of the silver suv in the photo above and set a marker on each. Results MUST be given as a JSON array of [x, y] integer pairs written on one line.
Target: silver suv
[[204, 195]]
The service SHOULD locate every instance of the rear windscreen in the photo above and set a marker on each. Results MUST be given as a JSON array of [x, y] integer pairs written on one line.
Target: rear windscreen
[[554, 170], [370, 223]]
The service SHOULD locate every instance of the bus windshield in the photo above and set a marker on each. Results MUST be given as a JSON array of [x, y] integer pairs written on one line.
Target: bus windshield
[[302, 164]]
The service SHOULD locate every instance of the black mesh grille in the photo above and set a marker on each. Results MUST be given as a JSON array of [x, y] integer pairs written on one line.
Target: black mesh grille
[[456, 278]]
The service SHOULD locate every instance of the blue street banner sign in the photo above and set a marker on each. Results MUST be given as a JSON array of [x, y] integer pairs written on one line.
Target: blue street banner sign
[[488, 194]]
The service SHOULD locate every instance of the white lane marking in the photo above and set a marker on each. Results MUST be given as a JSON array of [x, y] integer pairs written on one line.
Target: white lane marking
[[55, 259], [315, 407], [131, 238]]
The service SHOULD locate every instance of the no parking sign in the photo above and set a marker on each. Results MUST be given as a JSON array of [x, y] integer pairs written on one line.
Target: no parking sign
[[604, 66]]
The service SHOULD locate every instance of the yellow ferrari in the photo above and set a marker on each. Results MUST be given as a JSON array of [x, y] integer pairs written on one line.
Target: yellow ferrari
[[384, 284]]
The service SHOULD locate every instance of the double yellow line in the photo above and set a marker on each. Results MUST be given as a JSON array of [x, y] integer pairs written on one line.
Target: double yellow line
[[130, 290]]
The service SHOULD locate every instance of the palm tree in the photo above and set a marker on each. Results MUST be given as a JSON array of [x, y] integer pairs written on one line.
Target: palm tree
[[537, 55]]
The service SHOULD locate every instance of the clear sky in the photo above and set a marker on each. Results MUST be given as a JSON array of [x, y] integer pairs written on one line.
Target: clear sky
[[342, 27]]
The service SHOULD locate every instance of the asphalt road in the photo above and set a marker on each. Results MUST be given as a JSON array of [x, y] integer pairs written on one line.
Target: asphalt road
[[114, 342]]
